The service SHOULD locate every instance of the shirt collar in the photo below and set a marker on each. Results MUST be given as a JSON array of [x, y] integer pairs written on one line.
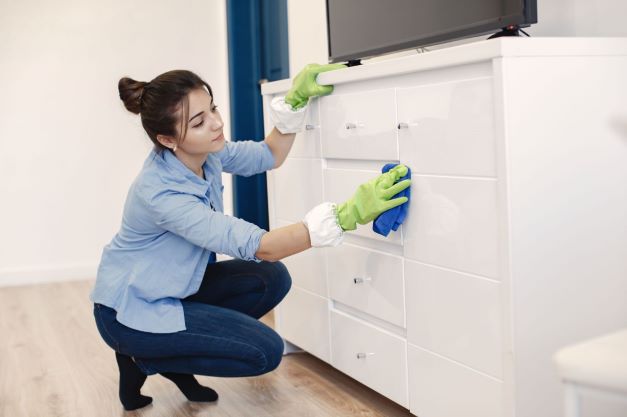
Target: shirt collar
[[172, 162]]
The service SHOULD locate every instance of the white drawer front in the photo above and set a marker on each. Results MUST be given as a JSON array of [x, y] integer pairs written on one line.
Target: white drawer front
[[368, 281], [308, 269], [304, 320], [455, 315], [449, 128], [452, 223], [441, 388], [370, 355], [297, 188], [307, 143], [359, 126], [340, 185]]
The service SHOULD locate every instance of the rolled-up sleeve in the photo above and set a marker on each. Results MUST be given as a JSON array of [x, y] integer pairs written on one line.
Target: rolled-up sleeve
[[188, 217], [246, 158]]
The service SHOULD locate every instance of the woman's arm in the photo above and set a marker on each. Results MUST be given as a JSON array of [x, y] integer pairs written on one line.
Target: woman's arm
[[324, 225], [283, 242], [280, 145], [288, 113]]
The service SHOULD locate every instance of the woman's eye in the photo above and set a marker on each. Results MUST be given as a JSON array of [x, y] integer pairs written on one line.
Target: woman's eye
[[199, 124], [214, 108]]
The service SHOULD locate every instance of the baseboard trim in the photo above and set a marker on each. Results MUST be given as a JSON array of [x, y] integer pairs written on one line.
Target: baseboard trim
[[10, 277]]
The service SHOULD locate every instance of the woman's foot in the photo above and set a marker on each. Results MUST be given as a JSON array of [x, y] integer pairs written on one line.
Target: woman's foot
[[190, 387], [131, 381]]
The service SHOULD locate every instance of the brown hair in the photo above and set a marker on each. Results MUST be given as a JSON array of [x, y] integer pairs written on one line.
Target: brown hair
[[159, 100]]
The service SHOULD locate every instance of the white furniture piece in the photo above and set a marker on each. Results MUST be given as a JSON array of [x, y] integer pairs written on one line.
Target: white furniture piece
[[597, 367], [515, 243]]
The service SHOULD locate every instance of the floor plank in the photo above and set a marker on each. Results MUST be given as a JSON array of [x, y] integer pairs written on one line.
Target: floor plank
[[54, 363]]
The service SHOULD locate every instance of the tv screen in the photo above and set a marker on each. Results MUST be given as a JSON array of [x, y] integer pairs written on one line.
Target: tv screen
[[363, 28]]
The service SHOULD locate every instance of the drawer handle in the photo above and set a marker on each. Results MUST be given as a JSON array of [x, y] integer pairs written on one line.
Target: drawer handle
[[360, 280], [403, 125], [352, 125], [311, 127], [363, 355]]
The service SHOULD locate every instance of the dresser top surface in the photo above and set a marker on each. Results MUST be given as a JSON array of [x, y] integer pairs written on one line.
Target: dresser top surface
[[484, 50]]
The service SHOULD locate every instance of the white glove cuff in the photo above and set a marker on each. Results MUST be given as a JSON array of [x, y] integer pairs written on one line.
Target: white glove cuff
[[323, 226], [286, 119]]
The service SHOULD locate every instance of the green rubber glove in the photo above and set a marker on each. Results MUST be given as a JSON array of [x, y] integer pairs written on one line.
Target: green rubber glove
[[373, 198], [305, 85]]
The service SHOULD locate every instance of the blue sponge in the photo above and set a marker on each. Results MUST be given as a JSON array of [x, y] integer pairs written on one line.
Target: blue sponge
[[394, 217]]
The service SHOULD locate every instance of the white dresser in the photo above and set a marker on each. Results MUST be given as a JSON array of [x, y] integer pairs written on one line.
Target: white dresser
[[515, 243]]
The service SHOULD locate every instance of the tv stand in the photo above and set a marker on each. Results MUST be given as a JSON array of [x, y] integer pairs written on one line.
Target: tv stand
[[514, 240], [513, 30]]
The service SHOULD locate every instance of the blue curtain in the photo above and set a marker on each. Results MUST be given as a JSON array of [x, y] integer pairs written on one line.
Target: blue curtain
[[258, 50]]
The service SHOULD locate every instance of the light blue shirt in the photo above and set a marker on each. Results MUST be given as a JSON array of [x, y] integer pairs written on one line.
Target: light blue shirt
[[173, 222]]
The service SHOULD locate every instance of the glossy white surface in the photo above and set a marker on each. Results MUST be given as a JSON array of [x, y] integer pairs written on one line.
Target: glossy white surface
[[307, 143], [369, 281], [301, 178], [568, 213], [544, 219], [448, 128], [308, 268], [484, 50], [441, 388], [341, 184], [455, 315], [304, 321], [480, 51], [452, 223], [359, 126], [370, 355]]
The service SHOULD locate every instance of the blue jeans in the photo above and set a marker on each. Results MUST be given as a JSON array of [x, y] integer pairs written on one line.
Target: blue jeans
[[223, 336]]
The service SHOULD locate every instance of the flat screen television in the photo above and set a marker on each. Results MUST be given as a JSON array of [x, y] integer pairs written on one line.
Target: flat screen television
[[364, 28]]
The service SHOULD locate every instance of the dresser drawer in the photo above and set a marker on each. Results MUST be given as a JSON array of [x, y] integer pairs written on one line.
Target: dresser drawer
[[441, 388], [368, 281], [448, 128], [308, 268], [359, 126], [341, 184], [307, 143], [452, 223], [297, 188], [370, 355], [455, 315], [303, 319]]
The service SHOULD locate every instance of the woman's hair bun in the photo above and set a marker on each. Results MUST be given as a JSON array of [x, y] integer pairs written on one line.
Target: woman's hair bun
[[131, 93]]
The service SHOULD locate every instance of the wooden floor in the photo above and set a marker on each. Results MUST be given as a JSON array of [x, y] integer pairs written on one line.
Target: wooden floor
[[54, 363]]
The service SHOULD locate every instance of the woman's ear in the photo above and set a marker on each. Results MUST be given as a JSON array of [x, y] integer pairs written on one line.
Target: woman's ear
[[167, 141]]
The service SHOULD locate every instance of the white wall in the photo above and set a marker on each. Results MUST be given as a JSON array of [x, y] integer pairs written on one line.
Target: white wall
[[307, 33], [580, 18], [68, 148], [308, 36]]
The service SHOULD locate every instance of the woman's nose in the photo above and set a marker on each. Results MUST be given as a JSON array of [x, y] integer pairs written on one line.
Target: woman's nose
[[217, 124]]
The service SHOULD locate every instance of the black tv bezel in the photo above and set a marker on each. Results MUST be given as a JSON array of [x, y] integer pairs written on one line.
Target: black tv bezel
[[526, 19]]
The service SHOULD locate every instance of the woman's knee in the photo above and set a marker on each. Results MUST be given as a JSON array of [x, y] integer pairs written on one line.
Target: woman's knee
[[273, 350], [268, 348]]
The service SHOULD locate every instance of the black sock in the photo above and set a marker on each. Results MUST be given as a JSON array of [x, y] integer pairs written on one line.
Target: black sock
[[131, 381], [190, 387]]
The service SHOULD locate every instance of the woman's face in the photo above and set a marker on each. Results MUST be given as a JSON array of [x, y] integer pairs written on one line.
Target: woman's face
[[204, 130]]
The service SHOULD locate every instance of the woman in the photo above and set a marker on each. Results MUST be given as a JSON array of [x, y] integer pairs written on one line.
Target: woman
[[161, 301]]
